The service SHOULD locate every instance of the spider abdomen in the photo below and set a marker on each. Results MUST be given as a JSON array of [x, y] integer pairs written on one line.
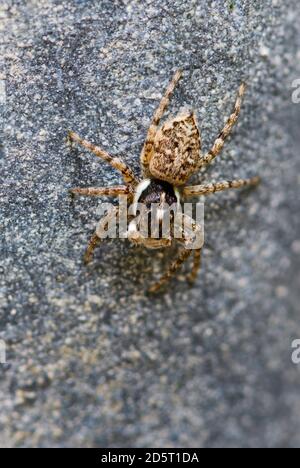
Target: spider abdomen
[[177, 149]]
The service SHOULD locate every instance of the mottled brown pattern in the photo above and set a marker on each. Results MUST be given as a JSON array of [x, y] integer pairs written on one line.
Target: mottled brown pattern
[[177, 147]]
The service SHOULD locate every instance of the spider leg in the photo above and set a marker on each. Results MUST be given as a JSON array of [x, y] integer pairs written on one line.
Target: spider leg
[[207, 189], [193, 238], [115, 162], [189, 240], [196, 266], [220, 141], [93, 242], [101, 191], [95, 239], [148, 147], [183, 256]]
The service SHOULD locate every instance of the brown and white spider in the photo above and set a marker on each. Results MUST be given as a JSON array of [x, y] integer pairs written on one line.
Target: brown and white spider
[[170, 156]]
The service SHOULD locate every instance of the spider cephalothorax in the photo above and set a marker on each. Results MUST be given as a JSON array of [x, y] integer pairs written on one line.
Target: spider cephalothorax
[[170, 156], [153, 200], [151, 191]]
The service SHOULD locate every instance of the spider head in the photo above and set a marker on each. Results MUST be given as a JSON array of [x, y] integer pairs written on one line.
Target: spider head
[[154, 191], [153, 200]]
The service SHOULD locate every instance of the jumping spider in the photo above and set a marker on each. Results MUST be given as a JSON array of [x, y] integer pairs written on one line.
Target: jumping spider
[[170, 156]]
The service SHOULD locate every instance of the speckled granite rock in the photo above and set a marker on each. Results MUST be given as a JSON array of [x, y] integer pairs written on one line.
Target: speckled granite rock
[[92, 361]]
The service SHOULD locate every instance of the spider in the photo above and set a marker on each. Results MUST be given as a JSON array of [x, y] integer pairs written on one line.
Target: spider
[[171, 154]]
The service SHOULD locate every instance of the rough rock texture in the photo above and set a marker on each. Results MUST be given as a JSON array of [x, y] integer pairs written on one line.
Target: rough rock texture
[[91, 360]]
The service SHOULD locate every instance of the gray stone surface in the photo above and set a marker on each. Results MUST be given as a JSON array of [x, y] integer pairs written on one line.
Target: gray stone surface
[[91, 360]]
